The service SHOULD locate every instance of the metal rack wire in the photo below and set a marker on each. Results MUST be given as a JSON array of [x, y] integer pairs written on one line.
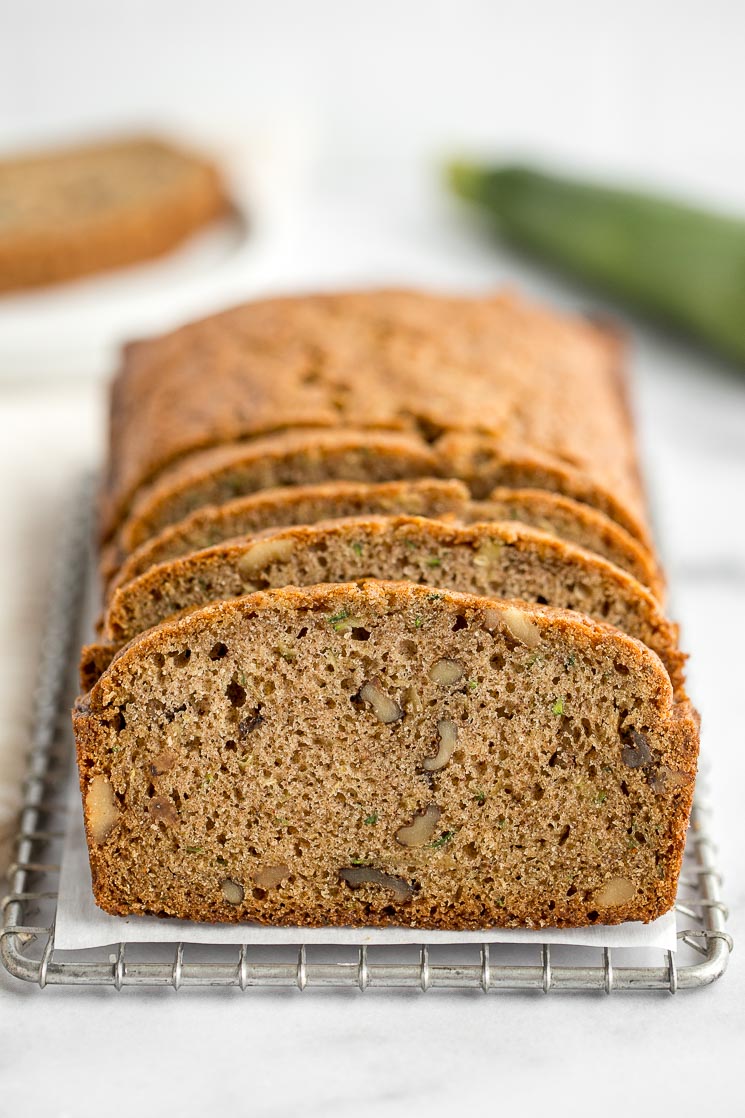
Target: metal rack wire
[[27, 937]]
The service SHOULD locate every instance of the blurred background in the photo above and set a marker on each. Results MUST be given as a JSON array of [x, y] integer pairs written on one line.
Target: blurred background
[[647, 89], [341, 115]]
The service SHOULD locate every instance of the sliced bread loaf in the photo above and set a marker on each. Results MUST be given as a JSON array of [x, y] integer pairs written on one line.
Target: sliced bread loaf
[[444, 761]]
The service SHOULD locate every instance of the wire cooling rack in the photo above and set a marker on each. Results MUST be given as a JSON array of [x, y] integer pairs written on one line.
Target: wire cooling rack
[[27, 944]]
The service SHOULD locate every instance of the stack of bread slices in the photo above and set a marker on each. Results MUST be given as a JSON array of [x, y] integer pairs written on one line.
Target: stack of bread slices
[[384, 639]]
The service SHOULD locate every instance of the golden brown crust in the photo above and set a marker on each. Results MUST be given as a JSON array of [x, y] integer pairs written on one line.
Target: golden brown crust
[[423, 363], [550, 829], [70, 213]]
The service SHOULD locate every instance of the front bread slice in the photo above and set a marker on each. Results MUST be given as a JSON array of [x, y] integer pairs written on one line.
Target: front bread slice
[[386, 754]]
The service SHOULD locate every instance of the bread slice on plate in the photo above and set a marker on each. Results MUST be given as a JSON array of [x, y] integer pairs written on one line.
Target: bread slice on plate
[[386, 754], [497, 560], [294, 504], [71, 212]]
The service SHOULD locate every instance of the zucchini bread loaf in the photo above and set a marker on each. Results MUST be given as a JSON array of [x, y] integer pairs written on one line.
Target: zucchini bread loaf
[[386, 754], [383, 638], [72, 212]]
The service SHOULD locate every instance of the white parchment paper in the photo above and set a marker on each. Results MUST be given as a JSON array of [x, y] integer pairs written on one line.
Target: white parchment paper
[[80, 924]]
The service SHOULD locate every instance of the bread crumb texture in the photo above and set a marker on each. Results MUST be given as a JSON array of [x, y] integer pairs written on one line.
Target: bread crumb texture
[[386, 754]]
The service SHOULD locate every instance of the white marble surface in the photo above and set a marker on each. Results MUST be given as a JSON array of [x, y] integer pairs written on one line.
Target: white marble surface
[[652, 89]]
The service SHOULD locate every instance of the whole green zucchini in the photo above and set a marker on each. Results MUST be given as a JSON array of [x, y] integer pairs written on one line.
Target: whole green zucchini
[[683, 266]]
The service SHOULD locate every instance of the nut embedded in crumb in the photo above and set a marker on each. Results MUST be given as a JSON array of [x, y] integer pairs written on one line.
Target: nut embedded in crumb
[[354, 876], [488, 552], [448, 732], [271, 876], [421, 828], [101, 808], [384, 707], [636, 752], [666, 778], [262, 554], [164, 810], [619, 890], [161, 764], [446, 671], [521, 627], [231, 891]]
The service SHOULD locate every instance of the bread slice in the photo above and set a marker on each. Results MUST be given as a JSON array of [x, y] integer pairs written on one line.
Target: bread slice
[[444, 761], [566, 518], [302, 457], [575, 522], [71, 212], [417, 362], [497, 560], [485, 463], [297, 504]]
